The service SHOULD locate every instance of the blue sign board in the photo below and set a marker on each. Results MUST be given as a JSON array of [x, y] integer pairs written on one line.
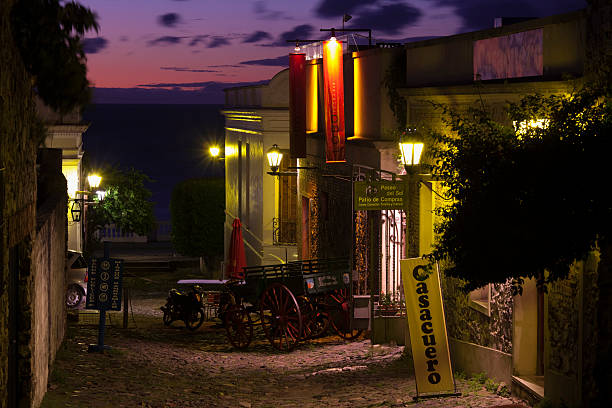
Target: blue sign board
[[104, 284]]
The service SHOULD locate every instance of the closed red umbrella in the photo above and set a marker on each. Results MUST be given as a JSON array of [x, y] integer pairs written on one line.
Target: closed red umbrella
[[236, 259]]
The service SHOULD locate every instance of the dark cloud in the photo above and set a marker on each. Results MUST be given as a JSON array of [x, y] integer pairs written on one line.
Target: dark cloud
[[208, 92], [124, 38], [225, 66], [335, 8], [183, 69], [218, 42], [94, 45], [389, 18], [169, 19], [301, 32], [195, 40], [282, 61], [479, 14], [257, 36], [165, 40], [263, 13]]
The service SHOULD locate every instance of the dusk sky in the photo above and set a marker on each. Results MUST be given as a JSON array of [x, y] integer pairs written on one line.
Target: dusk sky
[[177, 51]]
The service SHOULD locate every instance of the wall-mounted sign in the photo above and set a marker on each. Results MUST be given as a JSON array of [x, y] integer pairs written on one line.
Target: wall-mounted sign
[[428, 339], [104, 284], [380, 195], [333, 87]]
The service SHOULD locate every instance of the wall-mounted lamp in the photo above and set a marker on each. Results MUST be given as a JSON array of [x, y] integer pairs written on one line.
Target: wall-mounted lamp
[[411, 149], [274, 158]]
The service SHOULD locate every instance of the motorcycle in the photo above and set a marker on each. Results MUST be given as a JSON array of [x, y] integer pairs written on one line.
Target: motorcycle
[[184, 306]]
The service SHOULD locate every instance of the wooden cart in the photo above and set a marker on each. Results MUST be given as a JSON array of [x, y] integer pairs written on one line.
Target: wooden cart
[[292, 302]]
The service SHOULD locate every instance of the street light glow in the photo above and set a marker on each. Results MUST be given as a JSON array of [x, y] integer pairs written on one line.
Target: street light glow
[[94, 180], [214, 151]]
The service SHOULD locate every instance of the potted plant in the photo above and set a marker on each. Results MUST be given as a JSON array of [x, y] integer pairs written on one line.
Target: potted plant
[[387, 305]]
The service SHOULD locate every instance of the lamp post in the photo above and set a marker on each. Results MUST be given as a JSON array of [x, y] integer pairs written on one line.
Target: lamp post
[[411, 148]]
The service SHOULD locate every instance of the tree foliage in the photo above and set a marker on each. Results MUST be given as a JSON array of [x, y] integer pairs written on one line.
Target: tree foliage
[[48, 35], [196, 208], [524, 201], [127, 203]]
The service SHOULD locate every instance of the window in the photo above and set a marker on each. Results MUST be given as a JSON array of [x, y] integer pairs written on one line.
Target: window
[[480, 299]]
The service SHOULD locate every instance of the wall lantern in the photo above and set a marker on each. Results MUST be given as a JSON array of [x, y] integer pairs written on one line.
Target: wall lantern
[[76, 209], [101, 194], [410, 149], [94, 181], [274, 158]]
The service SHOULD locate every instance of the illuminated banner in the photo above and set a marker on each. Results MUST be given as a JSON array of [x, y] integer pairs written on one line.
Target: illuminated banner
[[432, 365], [333, 88], [297, 104]]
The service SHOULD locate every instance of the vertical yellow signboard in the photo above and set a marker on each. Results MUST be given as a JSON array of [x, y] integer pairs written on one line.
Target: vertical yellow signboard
[[432, 365]]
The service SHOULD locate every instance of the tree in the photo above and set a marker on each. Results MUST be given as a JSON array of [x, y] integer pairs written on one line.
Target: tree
[[126, 204], [48, 35], [198, 218], [529, 199]]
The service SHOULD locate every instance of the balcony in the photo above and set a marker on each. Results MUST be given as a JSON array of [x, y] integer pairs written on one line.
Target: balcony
[[284, 232]]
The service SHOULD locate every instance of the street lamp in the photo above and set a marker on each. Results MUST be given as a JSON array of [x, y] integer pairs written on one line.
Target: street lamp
[[94, 181], [410, 150], [274, 158]]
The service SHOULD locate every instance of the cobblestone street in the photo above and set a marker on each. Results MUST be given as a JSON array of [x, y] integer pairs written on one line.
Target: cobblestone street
[[151, 365]]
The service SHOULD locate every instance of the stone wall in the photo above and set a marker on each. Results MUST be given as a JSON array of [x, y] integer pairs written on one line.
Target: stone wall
[[17, 202], [30, 323]]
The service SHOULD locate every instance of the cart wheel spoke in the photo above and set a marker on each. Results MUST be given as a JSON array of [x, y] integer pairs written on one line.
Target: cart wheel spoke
[[280, 317], [239, 326], [340, 314]]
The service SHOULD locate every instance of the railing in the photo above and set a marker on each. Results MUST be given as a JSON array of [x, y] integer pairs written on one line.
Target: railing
[[114, 234], [284, 232]]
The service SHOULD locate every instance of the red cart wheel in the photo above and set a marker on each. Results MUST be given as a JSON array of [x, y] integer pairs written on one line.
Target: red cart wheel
[[340, 314], [239, 326], [280, 317], [315, 321]]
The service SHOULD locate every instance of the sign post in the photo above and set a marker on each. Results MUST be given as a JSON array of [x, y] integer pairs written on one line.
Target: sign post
[[432, 364], [104, 291]]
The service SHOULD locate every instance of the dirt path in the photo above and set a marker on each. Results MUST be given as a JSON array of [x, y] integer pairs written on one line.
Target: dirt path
[[151, 365]]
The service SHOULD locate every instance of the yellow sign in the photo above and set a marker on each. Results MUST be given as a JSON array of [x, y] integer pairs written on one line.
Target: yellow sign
[[432, 365]]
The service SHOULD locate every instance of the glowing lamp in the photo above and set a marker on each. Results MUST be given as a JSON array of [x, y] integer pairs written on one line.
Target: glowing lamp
[[410, 150], [274, 158], [214, 151], [94, 180], [101, 194]]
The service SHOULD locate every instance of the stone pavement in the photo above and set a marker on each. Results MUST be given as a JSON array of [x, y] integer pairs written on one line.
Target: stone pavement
[[157, 366]]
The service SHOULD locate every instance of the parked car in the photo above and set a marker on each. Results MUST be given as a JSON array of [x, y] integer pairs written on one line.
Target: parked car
[[76, 278]]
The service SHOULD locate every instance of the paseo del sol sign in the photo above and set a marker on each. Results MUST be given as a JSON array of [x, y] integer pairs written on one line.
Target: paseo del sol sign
[[379, 195]]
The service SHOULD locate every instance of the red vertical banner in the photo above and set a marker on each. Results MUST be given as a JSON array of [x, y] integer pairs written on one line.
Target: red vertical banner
[[297, 104], [333, 88]]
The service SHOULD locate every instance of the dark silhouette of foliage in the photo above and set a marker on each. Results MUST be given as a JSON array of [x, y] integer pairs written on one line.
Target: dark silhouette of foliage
[[526, 201], [197, 213], [127, 203], [49, 38]]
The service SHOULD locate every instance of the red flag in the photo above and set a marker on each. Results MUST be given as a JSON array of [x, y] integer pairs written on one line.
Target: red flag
[[236, 259], [334, 100], [297, 104]]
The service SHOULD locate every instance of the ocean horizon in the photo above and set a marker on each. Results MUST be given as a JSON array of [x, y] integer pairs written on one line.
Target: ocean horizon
[[168, 143]]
